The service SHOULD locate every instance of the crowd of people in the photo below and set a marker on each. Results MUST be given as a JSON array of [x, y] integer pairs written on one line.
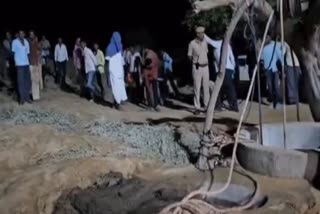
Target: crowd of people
[[136, 74]]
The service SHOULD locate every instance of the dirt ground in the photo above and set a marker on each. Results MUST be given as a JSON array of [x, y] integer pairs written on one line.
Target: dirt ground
[[38, 163]]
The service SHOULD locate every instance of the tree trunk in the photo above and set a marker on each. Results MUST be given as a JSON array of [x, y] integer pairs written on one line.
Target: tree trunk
[[217, 86]]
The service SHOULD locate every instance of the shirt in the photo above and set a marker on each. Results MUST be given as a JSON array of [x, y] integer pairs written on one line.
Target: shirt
[[288, 57], [7, 44], [269, 58], [127, 57], [133, 66], [167, 62], [45, 45], [35, 52], [217, 44], [60, 53], [100, 61], [90, 61], [198, 50], [21, 52]]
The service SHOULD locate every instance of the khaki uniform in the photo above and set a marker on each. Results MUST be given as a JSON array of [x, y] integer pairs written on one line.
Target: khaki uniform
[[198, 51]]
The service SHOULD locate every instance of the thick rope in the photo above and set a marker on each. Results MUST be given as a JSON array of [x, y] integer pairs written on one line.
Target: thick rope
[[196, 206], [283, 78]]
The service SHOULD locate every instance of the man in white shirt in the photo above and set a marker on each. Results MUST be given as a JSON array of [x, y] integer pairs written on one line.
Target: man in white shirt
[[90, 63], [61, 58], [21, 51], [228, 84]]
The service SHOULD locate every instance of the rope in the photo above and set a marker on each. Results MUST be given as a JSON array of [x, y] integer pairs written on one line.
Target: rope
[[283, 78], [196, 206]]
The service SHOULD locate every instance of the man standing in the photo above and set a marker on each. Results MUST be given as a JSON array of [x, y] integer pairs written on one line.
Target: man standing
[[35, 66], [21, 50], [101, 75], [45, 55], [61, 58], [293, 73], [10, 72], [271, 54], [90, 63], [228, 84], [198, 54], [150, 75]]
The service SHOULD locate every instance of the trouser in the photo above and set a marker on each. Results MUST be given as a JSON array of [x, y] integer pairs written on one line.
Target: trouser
[[24, 83], [201, 78], [293, 83], [172, 84], [36, 81], [229, 90], [273, 87], [152, 93], [61, 73], [101, 81], [90, 83], [136, 91]]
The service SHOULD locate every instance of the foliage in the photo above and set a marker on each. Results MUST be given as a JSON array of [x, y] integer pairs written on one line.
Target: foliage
[[216, 21]]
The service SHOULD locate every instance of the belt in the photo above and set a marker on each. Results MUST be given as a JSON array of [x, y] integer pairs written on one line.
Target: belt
[[200, 65]]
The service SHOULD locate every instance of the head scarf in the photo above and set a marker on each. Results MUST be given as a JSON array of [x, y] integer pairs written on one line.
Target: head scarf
[[115, 45]]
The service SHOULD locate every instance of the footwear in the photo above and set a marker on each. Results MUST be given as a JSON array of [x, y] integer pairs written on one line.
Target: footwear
[[157, 109], [21, 103], [196, 112], [29, 101], [91, 100]]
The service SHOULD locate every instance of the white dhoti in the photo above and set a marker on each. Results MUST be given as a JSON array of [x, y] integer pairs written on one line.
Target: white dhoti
[[116, 72], [36, 80]]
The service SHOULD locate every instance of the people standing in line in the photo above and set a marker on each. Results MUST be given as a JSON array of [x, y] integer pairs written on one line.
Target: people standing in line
[[90, 64], [136, 71], [116, 69], [11, 73], [35, 66], [228, 87], [150, 76], [293, 73], [45, 56], [101, 75], [198, 54], [21, 50], [61, 58], [271, 54], [78, 63], [168, 75], [127, 55]]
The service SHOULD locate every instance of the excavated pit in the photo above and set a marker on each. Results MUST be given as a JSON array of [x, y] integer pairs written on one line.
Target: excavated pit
[[113, 194]]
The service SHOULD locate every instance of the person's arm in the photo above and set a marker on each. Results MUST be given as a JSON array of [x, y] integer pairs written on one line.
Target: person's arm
[[213, 43], [13, 48], [56, 54], [93, 58], [190, 51], [66, 52], [232, 57]]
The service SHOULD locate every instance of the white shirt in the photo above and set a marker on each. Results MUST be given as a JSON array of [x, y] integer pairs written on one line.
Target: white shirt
[[90, 61], [217, 45], [61, 53], [133, 68], [21, 52]]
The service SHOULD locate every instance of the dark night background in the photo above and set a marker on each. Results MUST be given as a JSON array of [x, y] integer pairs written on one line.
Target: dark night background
[[157, 22]]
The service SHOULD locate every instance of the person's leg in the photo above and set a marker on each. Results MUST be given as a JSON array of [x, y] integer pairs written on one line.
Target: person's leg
[[230, 90], [196, 87], [58, 73], [155, 94], [34, 85], [64, 72], [26, 83], [205, 85], [20, 84], [90, 84], [291, 84], [269, 80], [276, 88]]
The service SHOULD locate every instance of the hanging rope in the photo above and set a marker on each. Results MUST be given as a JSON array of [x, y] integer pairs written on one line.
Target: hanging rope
[[197, 206], [283, 78]]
